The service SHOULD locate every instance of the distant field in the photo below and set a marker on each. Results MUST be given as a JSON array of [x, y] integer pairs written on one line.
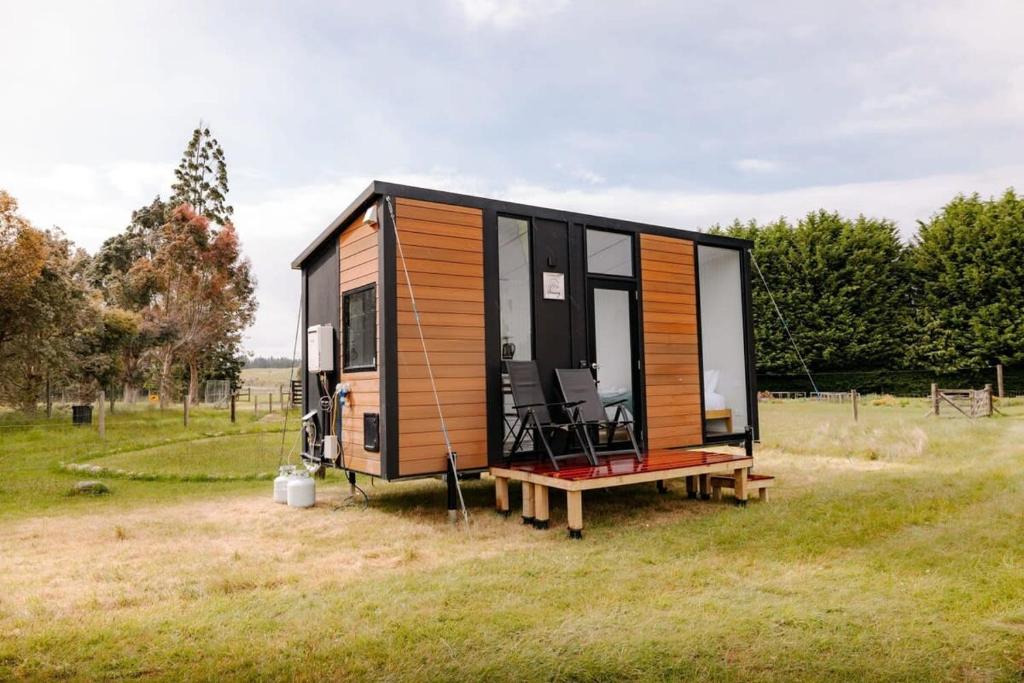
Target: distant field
[[891, 550], [267, 378]]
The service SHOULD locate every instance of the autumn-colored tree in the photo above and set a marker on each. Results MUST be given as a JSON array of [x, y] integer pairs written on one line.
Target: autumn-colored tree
[[203, 292], [202, 178], [22, 257], [43, 306]]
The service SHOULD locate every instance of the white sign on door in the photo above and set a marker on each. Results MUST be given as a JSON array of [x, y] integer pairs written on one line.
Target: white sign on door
[[554, 286]]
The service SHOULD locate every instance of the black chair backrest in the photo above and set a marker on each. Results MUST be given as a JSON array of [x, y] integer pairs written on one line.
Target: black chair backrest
[[579, 385], [524, 378]]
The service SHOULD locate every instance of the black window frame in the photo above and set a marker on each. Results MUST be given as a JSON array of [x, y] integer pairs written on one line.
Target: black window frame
[[587, 228], [346, 365]]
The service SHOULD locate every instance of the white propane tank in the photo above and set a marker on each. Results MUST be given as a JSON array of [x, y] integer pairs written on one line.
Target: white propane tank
[[281, 483], [301, 490]]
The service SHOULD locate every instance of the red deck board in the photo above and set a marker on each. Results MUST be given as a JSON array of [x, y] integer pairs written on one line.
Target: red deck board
[[619, 464]]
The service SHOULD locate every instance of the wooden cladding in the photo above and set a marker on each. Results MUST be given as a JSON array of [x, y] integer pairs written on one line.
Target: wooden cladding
[[671, 354], [358, 250], [444, 255]]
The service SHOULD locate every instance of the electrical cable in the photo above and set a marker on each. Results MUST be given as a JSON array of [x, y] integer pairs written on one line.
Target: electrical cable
[[291, 378]]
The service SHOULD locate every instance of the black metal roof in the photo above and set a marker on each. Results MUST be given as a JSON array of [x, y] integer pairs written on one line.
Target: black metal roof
[[378, 188]]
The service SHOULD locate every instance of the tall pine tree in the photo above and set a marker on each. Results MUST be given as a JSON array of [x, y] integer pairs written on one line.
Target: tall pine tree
[[202, 178]]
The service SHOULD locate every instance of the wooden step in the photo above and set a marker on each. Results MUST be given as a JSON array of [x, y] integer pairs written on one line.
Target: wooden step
[[755, 482]]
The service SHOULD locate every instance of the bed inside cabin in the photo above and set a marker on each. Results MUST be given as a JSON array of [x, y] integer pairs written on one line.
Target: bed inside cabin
[[723, 342]]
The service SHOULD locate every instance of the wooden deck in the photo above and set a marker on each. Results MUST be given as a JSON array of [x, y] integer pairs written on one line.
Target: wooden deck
[[576, 476]]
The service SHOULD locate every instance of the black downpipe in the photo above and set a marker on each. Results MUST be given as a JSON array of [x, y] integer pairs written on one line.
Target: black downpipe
[[453, 495]]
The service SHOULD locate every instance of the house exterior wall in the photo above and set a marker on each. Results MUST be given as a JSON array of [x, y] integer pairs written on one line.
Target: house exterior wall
[[451, 245], [672, 378], [359, 248], [443, 253]]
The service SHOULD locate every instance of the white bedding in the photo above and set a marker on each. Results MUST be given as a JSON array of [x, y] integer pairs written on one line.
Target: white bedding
[[712, 399]]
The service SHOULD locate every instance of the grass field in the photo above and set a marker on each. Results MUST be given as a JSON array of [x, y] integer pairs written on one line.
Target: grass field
[[267, 379], [892, 550]]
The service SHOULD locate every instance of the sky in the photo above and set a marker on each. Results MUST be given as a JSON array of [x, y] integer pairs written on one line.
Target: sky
[[678, 113]]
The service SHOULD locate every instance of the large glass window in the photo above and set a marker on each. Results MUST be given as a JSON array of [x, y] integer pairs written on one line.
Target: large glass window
[[723, 345], [359, 328], [514, 288], [609, 253]]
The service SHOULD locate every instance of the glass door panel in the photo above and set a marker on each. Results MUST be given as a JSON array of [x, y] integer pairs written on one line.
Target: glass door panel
[[613, 348]]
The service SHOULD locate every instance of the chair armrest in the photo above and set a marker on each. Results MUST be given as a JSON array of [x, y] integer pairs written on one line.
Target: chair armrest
[[564, 404]]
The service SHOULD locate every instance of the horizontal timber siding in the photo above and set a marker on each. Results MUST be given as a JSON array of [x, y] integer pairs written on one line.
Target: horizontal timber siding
[[358, 248], [671, 361], [443, 248]]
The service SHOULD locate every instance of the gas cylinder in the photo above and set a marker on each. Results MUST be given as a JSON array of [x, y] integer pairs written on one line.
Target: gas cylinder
[[301, 490], [281, 483]]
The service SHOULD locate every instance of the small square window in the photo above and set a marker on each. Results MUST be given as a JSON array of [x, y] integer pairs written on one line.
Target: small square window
[[609, 253], [359, 329]]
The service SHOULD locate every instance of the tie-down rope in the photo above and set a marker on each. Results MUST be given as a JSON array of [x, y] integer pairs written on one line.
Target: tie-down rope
[[426, 357]]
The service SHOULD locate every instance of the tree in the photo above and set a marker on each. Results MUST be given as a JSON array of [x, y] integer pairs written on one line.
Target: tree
[[100, 357], [203, 178], [203, 293], [110, 272], [22, 258], [43, 308], [841, 284], [968, 266]]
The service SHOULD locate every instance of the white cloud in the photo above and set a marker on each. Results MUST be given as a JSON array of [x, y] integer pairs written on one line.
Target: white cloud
[[90, 203], [506, 14], [757, 165], [276, 229]]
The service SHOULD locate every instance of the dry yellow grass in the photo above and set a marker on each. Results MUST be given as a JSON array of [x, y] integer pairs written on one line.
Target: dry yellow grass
[[891, 551]]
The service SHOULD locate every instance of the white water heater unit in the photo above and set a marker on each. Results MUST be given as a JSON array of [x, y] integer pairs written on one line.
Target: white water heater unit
[[320, 348]]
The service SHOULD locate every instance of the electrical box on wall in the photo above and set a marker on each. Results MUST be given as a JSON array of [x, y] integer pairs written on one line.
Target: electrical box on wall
[[320, 348]]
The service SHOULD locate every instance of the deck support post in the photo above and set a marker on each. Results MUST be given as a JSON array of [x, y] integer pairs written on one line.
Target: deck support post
[[704, 481], [541, 512], [661, 486], [574, 505], [501, 496], [528, 512], [691, 487], [453, 496], [740, 486]]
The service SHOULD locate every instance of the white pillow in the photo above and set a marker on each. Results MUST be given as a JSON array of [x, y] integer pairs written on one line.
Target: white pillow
[[710, 380]]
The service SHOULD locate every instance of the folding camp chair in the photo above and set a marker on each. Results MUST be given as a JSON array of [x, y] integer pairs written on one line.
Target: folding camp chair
[[588, 411], [533, 409]]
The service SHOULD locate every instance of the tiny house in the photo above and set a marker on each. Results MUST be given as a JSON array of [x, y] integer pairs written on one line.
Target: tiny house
[[661, 316]]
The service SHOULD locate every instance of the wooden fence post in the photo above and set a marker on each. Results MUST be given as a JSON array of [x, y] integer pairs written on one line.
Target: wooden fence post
[[853, 400], [999, 380], [102, 401], [233, 397], [186, 409], [935, 399], [988, 400]]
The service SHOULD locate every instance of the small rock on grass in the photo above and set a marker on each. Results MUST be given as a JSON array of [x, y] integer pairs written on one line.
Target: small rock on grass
[[89, 488]]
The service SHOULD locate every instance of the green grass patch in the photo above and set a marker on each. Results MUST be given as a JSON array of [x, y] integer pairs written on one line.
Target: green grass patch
[[891, 550]]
